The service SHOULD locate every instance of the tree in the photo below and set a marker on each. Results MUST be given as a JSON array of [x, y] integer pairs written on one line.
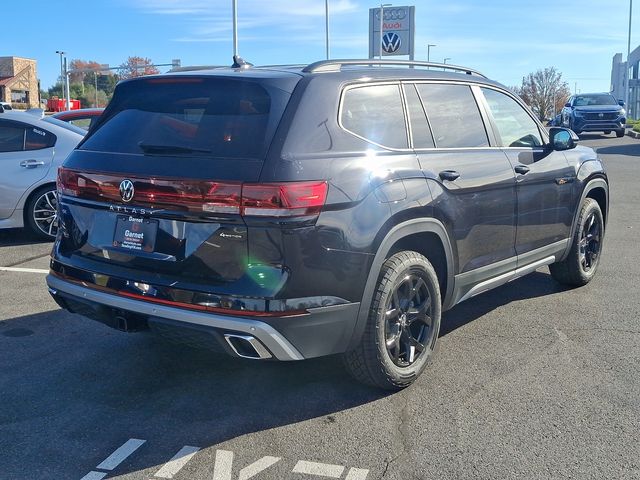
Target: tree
[[82, 77], [544, 91], [137, 67]]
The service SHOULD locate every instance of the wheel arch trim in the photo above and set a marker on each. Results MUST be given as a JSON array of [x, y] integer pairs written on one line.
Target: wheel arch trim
[[591, 185], [398, 232]]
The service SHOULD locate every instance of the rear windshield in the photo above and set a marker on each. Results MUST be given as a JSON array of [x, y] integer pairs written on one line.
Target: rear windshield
[[588, 100], [190, 116]]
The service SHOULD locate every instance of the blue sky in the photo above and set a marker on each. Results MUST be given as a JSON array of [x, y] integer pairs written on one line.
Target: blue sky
[[503, 39]]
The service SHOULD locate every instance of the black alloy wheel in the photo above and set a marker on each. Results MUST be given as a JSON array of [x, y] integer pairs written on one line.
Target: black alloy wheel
[[589, 246], [409, 326]]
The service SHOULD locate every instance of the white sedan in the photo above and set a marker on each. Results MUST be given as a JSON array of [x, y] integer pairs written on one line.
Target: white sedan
[[31, 150]]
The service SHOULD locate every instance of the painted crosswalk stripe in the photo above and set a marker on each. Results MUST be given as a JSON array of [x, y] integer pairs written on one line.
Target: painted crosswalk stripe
[[23, 270], [117, 457], [318, 469], [94, 476], [178, 461], [357, 474]]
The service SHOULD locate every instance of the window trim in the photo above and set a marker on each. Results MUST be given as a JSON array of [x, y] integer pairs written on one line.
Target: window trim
[[396, 83], [404, 86]]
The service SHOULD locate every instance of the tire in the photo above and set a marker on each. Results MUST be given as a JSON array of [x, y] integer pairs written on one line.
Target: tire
[[40, 213], [582, 262], [620, 133], [607, 132], [400, 338]]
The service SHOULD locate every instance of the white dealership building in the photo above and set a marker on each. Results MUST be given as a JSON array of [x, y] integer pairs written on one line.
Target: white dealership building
[[618, 71]]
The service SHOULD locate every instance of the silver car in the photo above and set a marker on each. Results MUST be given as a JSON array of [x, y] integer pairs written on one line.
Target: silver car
[[31, 149]]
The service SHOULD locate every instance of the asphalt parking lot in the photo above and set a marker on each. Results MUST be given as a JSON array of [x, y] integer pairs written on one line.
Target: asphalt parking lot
[[532, 381]]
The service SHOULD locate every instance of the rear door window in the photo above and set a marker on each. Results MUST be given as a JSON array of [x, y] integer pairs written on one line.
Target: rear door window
[[190, 116], [375, 113], [454, 115], [37, 139], [11, 137]]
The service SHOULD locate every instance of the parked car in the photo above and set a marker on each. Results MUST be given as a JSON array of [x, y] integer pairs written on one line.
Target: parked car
[[83, 118], [5, 106], [31, 149], [293, 212], [595, 112]]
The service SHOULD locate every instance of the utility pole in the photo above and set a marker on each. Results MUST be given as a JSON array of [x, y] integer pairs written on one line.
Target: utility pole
[[326, 25], [628, 66], [66, 76], [63, 77], [234, 4]]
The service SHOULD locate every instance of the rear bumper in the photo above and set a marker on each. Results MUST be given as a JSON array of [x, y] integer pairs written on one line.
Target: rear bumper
[[322, 331]]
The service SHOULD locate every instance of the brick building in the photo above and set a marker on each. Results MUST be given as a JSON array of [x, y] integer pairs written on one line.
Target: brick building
[[19, 82]]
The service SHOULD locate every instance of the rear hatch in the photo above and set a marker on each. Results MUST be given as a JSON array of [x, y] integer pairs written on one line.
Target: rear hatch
[[153, 194]]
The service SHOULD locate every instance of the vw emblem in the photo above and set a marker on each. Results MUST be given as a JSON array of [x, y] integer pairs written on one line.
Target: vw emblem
[[391, 42], [126, 190], [601, 115]]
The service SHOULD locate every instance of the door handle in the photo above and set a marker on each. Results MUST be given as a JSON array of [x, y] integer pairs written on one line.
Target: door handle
[[450, 175], [522, 169], [31, 163]]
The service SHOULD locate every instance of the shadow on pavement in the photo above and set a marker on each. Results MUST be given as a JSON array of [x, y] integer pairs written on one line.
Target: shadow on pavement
[[19, 236], [628, 149]]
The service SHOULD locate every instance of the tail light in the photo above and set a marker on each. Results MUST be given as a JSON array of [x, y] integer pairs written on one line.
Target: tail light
[[268, 199]]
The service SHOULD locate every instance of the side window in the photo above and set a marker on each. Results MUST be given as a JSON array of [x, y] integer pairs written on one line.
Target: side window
[[375, 113], [37, 139], [11, 138], [454, 115], [515, 125], [420, 130]]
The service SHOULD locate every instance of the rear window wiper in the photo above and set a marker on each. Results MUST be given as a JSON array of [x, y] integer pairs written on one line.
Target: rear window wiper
[[169, 149]]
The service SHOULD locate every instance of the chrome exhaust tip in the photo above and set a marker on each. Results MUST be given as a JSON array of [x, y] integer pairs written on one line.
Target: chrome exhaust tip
[[246, 346]]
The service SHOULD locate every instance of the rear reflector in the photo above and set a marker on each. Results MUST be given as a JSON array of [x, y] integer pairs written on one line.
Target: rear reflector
[[267, 199]]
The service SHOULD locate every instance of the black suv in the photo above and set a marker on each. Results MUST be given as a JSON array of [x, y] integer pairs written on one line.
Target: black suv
[[290, 212], [594, 112]]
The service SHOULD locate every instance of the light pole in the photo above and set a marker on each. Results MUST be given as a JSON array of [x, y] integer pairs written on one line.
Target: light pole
[[66, 76], [62, 75], [234, 4], [429, 45], [446, 60], [326, 25], [382, 6], [626, 76]]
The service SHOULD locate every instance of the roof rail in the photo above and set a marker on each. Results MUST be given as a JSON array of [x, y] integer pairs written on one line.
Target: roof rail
[[336, 65]]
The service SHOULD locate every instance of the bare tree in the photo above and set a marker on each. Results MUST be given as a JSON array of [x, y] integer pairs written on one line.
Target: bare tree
[[544, 91], [137, 67]]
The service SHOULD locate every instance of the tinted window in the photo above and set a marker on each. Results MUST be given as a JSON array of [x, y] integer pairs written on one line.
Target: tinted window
[[589, 100], [376, 114], [37, 138], [420, 130], [515, 125], [190, 116], [11, 138], [454, 116]]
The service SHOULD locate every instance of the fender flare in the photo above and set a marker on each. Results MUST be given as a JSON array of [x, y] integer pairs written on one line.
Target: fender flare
[[400, 231], [591, 184]]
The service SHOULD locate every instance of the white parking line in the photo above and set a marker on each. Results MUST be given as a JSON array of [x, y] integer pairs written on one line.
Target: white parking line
[[256, 467], [117, 457], [222, 466], [178, 461], [357, 474], [94, 476], [318, 469], [24, 270]]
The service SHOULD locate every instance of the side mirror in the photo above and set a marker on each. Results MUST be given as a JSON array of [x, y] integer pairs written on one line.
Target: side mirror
[[621, 103], [562, 138], [568, 105]]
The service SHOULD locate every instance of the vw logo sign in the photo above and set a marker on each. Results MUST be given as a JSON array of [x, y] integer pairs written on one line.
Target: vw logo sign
[[126, 190], [391, 42]]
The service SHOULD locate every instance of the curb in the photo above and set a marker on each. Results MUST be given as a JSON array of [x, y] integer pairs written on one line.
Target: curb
[[633, 134]]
